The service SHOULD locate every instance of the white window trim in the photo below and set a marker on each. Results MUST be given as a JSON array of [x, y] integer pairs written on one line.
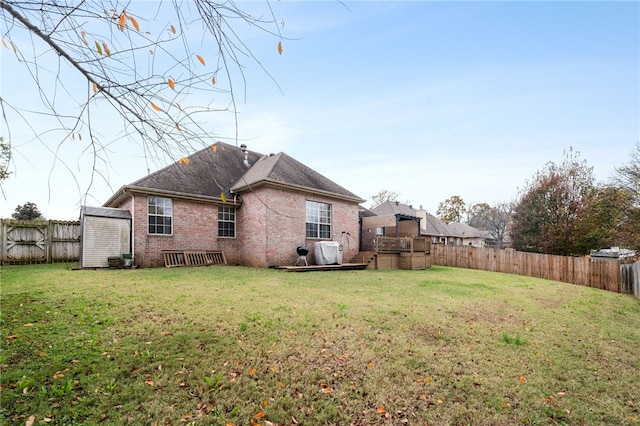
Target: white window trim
[[234, 221], [158, 215], [330, 224]]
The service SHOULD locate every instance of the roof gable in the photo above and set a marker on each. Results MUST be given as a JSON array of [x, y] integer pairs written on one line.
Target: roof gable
[[219, 170], [281, 169]]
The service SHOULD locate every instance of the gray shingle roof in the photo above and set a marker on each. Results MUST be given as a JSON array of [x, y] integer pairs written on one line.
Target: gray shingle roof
[[284, 170], [393, 207], [435, 227], [219, 169]]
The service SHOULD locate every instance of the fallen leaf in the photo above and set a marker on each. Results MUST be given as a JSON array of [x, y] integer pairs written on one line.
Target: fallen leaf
[[259, 415], [380, 410], [522, 379], [148, 382], [28, 324], [252, 371], [561, 393], [30, 421]]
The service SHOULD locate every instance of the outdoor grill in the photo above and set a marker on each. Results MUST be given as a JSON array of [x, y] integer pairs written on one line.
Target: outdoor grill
[[302, 251]]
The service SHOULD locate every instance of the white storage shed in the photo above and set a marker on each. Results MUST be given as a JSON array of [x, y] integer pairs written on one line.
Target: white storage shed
[[104, 232]]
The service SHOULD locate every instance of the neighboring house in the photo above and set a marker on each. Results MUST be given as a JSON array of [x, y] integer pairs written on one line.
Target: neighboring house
[[468, 235], [389, 219], [255, 208], [396, 219], [440, 232]]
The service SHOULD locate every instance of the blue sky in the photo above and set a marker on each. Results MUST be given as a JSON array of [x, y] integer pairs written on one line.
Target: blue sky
[[427, 99]]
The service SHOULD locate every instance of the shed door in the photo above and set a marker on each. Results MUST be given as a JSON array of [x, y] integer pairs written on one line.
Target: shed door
[[103, 237]]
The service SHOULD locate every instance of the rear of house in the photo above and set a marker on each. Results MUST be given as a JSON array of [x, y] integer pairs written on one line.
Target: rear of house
[[255, 208]]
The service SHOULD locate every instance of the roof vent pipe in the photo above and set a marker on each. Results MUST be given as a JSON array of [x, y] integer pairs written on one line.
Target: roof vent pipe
[[243, 147]]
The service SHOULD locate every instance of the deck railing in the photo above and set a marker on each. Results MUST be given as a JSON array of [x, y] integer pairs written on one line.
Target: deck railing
[[401, 244]]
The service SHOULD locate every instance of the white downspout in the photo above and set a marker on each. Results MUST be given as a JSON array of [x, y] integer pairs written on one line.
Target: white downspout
[[133, 225]]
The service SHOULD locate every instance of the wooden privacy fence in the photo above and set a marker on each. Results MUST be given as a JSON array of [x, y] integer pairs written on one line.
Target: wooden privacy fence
[[39, 241], [602, 273]]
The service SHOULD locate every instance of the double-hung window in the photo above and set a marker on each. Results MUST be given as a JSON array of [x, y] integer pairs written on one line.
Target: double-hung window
[[226, 221], [318, 220], [160, 215]]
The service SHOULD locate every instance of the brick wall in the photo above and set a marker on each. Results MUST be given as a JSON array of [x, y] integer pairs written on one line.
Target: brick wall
[[195, 226], [269, 226], [276, 219]]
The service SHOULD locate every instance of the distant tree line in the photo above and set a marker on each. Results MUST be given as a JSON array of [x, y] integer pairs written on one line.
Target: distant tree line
[[562, 210]]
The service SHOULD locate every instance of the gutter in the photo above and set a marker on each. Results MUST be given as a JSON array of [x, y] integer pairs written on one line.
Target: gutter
[[299, 188], [128, 190]]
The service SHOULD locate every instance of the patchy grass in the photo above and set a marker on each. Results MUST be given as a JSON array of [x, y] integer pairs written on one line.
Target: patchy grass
[[233, 345]]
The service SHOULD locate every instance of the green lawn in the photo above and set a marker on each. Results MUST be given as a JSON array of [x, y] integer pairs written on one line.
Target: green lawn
[[242, 346]]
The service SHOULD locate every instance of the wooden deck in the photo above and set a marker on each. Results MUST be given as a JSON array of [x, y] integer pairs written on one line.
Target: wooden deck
[[312, 268]]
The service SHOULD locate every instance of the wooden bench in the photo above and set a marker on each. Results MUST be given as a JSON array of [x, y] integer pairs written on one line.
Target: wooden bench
[[175, 258]]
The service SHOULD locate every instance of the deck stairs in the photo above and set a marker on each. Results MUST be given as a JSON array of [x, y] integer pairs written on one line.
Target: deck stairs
[[368, 257]]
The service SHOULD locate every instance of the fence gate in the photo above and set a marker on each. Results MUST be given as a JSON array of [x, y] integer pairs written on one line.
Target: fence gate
[[23, 241]]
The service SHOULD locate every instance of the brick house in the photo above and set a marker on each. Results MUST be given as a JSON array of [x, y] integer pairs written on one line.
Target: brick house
[[255, 208]]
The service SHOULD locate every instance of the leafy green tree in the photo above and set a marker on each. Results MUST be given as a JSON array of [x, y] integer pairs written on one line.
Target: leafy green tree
[[549, 209], [453, 209], [27, 211], [609, 220]]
